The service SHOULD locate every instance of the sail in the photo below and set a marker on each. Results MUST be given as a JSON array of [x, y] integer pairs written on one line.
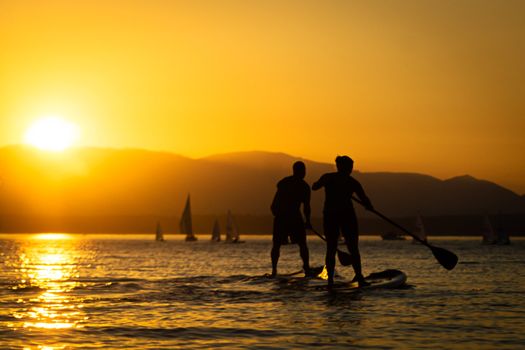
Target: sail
[[488, 233], [420, 231], [232, 233], [216, 233], [502, 235], [159, 236], [185, 222]]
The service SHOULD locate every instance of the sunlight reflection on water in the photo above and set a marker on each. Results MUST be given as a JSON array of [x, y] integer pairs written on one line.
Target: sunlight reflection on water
[[48, 265], [75, 291]]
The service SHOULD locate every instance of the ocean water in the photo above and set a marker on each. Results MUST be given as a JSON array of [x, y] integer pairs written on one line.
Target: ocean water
[[103, 291]]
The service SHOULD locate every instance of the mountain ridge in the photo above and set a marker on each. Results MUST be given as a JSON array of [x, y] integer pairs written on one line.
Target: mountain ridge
[[100, 181]]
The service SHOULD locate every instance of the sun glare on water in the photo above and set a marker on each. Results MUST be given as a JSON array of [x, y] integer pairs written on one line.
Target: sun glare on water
[[51, 236], [51, 134]]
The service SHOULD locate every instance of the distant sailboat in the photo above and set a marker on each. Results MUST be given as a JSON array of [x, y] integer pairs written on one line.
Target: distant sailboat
[[502, 235], [185, 222], [488, 233], [420, 231], [232, 231], [159, 236], [216, 233]]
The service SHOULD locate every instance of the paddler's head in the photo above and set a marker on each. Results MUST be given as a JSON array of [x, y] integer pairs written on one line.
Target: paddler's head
[[299, 169], [344, 164]]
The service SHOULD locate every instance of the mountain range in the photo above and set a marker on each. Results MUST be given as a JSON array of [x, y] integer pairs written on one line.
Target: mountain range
[[119, 182]]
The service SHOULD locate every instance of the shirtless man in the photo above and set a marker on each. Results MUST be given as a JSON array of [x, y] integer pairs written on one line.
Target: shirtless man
[[292, 191], [339, 214]]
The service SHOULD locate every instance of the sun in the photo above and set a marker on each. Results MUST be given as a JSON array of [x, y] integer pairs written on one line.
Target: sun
[[51, 134]]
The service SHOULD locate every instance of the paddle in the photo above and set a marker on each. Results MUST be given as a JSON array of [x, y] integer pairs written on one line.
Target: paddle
[[344, 258], [446, 258]]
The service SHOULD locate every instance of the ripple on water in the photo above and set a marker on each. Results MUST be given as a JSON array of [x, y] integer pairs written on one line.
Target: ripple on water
[[132, 293]]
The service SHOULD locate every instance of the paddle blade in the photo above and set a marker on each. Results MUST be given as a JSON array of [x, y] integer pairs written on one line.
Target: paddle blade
[[446, 258], [344, 258]]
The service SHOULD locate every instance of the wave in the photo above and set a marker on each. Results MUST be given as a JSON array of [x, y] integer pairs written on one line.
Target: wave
[[182, 332], [26, 289], [105, 280]]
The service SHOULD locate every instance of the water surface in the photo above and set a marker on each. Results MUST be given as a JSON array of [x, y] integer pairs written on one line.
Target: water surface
[[103, 291]]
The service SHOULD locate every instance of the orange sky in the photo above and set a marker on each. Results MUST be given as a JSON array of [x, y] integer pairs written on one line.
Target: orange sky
[[426, 86]]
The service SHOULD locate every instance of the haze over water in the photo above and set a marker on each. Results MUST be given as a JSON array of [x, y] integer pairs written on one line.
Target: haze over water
[[95, 291]]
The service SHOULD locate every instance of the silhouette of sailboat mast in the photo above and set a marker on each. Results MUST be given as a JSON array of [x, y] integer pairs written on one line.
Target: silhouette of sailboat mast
[[216, 233], [159, 235], [186, 227], [185, 224], [420, 230], [232, 231], [494, 236]]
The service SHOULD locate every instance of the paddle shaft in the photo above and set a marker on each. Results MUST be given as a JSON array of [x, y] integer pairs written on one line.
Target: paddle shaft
[[317, 233], [446, 258], [393, 223], [344, 257], [320, 235]]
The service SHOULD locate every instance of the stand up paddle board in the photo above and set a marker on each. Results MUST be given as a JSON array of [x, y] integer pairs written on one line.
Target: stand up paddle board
[[298, 275], [387, 279]]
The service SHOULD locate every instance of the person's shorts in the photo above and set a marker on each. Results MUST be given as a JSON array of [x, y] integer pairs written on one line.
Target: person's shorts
[[343, 222], [292, 226]]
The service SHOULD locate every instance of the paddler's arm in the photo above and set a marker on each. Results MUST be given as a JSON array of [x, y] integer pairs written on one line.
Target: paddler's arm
[[275, 204], [306, 208], [318, 184], [363, 197]]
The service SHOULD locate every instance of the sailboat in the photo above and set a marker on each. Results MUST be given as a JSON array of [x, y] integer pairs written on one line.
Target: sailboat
[[502, 235], [232, 231], [216, 233], [185, 222], [159, 235], [488, 233], [420, 231]]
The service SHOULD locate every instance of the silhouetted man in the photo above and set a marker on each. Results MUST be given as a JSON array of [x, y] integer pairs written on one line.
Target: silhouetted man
[[292, 191], [339, 214]]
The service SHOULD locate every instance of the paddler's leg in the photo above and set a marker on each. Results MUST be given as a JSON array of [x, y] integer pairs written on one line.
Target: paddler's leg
[[275, 256], [298, 235], [331, 249], [331, 231], [277, 240], [305, 256], [350, 230]]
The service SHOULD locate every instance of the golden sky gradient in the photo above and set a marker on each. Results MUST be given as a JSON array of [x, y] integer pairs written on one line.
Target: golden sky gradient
[[435, 87]]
